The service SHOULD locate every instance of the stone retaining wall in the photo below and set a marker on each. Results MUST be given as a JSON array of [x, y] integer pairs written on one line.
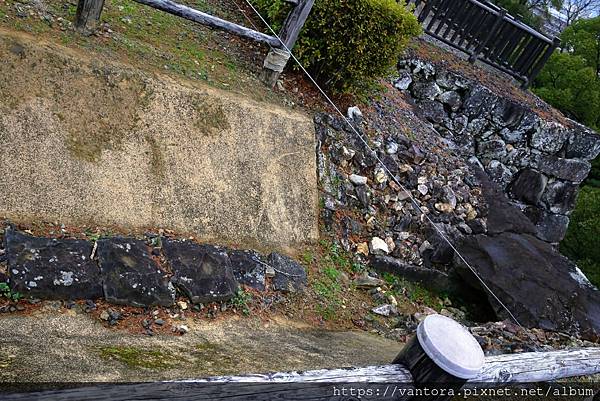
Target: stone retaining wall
[[140, 272], [538, 162], [89, 141]]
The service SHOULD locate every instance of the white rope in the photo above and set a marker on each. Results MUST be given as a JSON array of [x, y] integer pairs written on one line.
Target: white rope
[[413, 200]]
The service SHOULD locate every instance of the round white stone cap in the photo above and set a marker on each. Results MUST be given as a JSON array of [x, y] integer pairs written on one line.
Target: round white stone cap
[[450, 345]]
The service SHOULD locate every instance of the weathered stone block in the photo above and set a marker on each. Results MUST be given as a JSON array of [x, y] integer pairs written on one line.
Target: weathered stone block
[[202, 272], [452, 99], [403, 81], [52, 268], [479, 102], [289, 275], [584, 144], [565, 169], [248, 268], [434, 112], [499, 173], [507, 113], [494, 149], [560, 197], [451, 81], [529, 186], [131, 276], [477, 126], [551, 227], [422, 68], [550, 138], [512, 136], [426, 90]]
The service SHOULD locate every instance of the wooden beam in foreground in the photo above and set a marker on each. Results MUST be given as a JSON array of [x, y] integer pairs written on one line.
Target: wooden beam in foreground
[[191, 14]]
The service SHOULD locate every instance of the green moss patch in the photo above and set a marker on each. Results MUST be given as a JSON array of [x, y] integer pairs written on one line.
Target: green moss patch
[[209, 116], [138, 357]]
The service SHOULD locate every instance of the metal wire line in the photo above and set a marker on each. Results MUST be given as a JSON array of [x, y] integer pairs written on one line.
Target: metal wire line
[[389, 173]]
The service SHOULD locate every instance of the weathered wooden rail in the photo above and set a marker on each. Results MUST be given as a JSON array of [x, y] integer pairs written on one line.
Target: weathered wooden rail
[[487, 32], [443, 358], [88, 15]]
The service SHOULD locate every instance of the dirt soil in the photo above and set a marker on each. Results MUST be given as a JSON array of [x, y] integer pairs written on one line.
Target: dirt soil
[[50, 346]]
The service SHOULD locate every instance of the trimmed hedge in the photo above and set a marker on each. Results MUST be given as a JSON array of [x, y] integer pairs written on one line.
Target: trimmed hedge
[[346, 44]]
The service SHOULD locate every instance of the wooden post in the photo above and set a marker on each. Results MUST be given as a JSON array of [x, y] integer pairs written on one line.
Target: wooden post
[[443, 353], [541, 62], [499, 18], [191, 14], [88, 16], [277, 58]]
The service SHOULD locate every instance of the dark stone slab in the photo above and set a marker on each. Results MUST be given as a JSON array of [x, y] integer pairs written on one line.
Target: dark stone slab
[[566, 169], [584, 144], [289, 275], [362, 195], [248, 268], [560, 197], [202, 272], [538, 285], [502, 215], [131, 276], [529, 186], [51, 268], [432, 279]]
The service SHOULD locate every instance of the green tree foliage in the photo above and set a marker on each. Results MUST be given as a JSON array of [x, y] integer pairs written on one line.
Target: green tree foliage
[[570, 81], [345, 44], [582, 242], [583, 39], [570, 85], [594, 176]]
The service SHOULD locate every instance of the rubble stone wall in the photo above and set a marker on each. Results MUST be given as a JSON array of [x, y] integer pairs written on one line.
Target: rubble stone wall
[[539, 163]]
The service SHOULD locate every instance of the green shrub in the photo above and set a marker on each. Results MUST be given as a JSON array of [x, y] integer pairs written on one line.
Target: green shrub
[[582, 242], [346, 44], [570, 85]]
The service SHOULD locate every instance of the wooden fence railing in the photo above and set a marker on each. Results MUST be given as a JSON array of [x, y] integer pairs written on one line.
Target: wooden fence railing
[[487, 32], [442, 360], [88, 16]]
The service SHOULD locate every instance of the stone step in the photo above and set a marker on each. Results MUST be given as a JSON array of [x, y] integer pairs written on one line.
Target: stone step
[[128, 271]]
